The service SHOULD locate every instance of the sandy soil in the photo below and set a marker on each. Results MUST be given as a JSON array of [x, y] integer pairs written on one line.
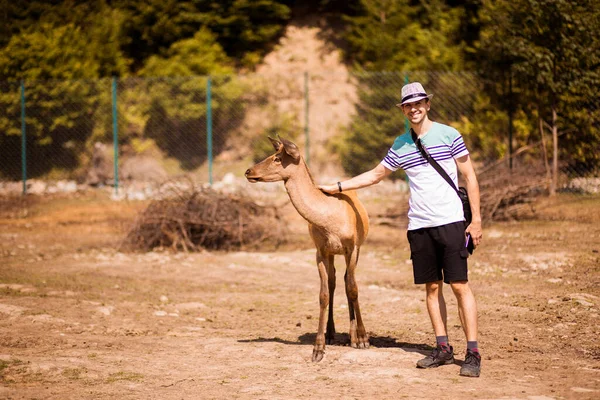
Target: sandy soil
[[80, 320]]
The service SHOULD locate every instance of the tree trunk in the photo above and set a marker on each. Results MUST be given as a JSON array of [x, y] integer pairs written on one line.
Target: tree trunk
[[555, 151], [545, 152]]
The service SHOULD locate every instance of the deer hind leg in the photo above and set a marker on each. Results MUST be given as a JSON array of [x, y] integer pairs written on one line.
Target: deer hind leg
[[330, 334], [358, 334], [319, 348]]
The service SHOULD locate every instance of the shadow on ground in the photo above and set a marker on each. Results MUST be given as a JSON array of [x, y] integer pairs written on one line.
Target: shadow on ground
[[343, 339]]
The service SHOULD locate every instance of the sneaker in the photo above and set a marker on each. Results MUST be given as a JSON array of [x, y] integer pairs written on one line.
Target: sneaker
[[472, 365], [441, 355]]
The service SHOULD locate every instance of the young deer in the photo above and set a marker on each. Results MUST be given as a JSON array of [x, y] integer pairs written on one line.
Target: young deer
[[338, 224]]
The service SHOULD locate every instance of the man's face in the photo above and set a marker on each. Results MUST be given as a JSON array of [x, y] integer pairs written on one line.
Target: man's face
[[416, 111]]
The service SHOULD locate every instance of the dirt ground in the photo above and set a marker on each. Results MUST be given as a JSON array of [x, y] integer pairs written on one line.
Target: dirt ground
[[78, 319]]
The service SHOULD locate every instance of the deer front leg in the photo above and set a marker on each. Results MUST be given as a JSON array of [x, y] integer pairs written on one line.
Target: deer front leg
[[330, 334], [358, 334], [319, 349]]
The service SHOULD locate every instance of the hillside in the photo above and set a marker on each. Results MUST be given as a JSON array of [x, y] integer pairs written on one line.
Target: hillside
[[331, 93]]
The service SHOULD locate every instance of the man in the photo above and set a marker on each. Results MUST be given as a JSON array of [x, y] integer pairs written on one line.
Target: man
[[436, 227]]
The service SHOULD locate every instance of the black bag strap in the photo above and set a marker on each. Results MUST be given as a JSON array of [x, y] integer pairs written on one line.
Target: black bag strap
[[431, 161]]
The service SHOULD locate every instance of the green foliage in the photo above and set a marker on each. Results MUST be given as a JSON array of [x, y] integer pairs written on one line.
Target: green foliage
[[246, 27], [10, 140], [243, 28], [199, 55], [122, 35], [286, 127], [60, 112], [548, 50], [552, 52], [66, 49], [152, 26], [65, 117], [175, 109], [16, 16], [26, 15], [57, 130], [485, 129], [400, 35], [63, 52], [48, 53], [172, 112]]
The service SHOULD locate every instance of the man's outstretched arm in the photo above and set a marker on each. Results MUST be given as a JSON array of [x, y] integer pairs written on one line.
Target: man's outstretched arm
[[363, 180]]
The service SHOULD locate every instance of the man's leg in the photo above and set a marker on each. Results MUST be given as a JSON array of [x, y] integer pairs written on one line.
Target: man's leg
[[467, 311], [436, 307], [467, 308]]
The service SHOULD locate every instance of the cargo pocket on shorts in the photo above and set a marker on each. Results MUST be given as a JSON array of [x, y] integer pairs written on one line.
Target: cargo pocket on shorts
[[415, 242]]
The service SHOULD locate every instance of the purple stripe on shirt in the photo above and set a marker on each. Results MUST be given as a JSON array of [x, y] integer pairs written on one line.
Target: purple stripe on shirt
[[391, 162], [459, 149], [415, 163], [398, 156]]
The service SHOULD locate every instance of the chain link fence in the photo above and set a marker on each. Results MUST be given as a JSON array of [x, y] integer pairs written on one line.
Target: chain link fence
[[132, 131]]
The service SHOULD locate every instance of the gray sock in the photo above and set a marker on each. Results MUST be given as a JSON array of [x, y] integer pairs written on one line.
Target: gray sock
[[442, 340], [472, 346]]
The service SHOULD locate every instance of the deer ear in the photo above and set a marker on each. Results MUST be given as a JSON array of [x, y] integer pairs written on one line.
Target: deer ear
[[291, 149], [276, 143]]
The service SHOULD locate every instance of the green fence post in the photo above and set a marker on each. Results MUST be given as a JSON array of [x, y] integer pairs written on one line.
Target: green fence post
[[406, 123], [209, 138], [115, 133], [306, 128], [23, 140]]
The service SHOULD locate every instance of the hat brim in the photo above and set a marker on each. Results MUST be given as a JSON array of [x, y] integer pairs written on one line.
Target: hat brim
[[414, 100]]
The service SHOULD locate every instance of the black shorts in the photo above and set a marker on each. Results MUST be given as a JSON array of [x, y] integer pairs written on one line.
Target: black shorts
[[439, 253]]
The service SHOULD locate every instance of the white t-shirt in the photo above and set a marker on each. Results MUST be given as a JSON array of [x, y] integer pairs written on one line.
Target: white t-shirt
[[432, 201]]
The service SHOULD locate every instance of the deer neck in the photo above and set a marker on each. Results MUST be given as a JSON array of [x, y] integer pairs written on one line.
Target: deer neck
[[309, 201]]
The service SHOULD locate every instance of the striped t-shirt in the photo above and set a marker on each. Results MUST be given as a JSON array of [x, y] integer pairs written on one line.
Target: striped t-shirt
[[432, 201]]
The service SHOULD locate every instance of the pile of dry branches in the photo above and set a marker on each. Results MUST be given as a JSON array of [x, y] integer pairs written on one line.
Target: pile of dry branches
[[194, 219], [511, 195]]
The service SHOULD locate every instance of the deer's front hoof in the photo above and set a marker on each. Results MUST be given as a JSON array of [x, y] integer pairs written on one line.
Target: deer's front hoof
[[360, 343], [318, 355]]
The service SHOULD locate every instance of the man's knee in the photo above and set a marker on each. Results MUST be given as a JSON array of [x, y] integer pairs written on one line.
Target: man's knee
[[433, 287], [460, 288]]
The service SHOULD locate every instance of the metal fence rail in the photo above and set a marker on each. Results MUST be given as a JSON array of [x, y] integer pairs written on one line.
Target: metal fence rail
[[119, 131]]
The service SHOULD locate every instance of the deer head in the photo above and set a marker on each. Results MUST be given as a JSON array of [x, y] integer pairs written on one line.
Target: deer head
[[277, 167]]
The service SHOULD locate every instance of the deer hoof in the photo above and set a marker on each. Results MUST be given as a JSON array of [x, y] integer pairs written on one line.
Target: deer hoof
[[361, 344], [318, 355]]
